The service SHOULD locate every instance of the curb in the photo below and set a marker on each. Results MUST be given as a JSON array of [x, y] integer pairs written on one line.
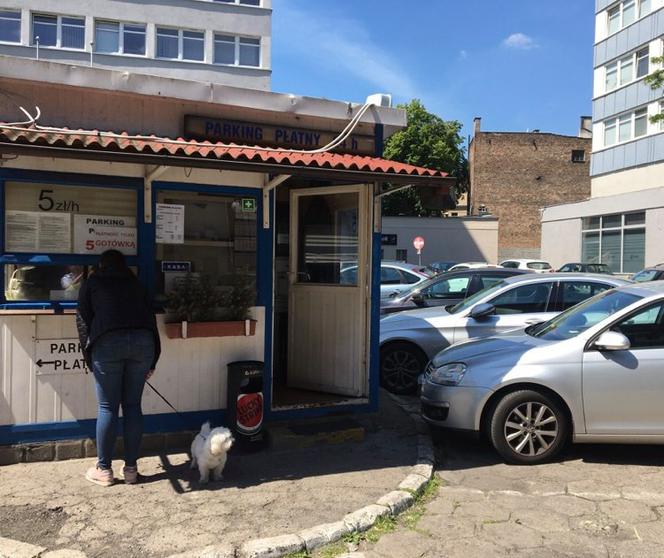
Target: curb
[[392, 503]]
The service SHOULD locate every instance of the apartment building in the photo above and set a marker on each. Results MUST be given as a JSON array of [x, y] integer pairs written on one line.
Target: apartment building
[[225, 42], [622, 223]]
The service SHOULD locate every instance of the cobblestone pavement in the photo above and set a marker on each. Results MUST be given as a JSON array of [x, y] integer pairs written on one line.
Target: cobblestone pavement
[[604, 501]]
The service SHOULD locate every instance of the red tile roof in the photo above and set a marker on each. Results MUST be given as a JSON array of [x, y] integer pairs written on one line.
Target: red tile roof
[[153, 145]]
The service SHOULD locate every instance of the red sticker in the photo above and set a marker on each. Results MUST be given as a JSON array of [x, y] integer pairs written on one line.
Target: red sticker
[[249, 411]]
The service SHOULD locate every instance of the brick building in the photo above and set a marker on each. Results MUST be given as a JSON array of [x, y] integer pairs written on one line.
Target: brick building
[[513, 175]]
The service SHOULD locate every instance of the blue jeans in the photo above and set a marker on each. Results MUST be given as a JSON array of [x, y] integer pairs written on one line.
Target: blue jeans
[[120, 360]]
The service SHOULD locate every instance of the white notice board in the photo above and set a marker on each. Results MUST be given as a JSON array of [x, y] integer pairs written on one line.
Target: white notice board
[[169, 223], [94, 234], [37, 231], [58, 356]]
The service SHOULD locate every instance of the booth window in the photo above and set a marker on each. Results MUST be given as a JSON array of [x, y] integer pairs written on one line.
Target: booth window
[[54, 233], [211, 236]]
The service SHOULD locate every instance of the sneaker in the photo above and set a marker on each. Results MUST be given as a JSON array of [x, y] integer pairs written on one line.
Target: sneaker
[[130, 475], [102, 477]]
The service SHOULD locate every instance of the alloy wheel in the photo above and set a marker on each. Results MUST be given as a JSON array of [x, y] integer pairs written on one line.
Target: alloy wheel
[[400, 369], [531, 428]]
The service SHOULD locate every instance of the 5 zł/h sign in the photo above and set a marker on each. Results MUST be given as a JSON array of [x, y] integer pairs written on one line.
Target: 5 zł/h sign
[[58, 356]]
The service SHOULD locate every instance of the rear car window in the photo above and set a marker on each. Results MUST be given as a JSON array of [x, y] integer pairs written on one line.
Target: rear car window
[[538, 265], [513, 265], [524, 299]]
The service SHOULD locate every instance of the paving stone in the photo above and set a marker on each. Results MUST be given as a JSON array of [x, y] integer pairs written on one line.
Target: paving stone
[[592, 490], [64, 553], [575, 545], [41, 452], [396, 501], [364, 518], [634, 549], [627, 511], [403, 544], [11, 454], [651, 531], [446, 527], [272, 547], [482, 511], [10, 548], [323, 534], [568, 505], [69, 450], [649, 493], [511, 536], [544, 521], [602, 525]]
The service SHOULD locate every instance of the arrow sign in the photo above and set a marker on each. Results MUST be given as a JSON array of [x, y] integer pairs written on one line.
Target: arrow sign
[[41, 362]]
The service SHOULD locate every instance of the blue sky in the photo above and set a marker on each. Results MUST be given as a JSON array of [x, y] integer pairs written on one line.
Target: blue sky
[[519, 64]]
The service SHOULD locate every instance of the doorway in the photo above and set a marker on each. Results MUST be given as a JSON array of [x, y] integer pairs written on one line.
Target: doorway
[[322, 296]]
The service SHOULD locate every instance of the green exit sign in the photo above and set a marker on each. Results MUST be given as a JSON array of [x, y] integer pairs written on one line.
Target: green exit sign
[[249, 204]]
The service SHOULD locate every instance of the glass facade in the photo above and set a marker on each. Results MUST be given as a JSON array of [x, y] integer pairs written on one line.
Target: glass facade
[[618, 241]]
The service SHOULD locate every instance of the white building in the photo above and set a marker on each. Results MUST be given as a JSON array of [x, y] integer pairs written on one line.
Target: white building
[[219, 41], [622, 223]]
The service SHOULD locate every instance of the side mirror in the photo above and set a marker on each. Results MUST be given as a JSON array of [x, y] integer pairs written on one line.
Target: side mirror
[[612, 341], [482, 311]]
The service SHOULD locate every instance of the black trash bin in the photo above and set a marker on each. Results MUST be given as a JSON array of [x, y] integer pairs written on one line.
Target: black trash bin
[[245, 403]]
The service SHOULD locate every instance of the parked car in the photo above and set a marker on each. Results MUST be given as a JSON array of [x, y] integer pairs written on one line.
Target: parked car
[[394, 276], [591, 374], [654, 273], [538, 266], [446, 289], [409, 339], [441, 267], [586, 268], [470, 265]]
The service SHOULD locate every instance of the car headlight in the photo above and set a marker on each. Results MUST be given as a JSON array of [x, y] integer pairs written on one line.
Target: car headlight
[[449, 374]]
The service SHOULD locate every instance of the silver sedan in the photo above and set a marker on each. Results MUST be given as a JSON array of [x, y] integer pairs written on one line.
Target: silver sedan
[[594, 373], [409, 339]]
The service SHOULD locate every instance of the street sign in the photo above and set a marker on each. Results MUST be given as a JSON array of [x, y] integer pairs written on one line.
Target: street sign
[[58, 356], [418, 243]]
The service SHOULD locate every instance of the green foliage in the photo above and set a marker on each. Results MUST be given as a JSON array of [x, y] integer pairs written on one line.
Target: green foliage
[[240, 298], [194, 300], [656, 81], [427, 141]]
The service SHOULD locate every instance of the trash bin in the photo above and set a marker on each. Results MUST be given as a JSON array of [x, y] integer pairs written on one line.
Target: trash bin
[[245, 402]]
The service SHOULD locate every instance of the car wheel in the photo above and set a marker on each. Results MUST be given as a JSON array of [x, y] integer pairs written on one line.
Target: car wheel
[[528, 427], [400, 366]]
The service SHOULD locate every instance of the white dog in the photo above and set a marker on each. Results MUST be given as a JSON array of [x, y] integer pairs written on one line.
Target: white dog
[[208, 451]]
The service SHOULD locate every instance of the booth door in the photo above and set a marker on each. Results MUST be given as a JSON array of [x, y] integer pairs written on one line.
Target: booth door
[[327, 303]]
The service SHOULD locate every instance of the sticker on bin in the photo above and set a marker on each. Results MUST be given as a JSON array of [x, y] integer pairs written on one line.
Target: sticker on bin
[[249, 412]]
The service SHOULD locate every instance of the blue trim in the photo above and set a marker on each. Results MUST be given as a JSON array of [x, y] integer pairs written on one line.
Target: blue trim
[[265, 279], [70, 178], [77, 429], [374, 337], [379, 144]]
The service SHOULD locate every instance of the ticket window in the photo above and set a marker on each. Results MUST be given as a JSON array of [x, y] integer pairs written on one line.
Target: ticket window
[[54, 234], [212, 236]]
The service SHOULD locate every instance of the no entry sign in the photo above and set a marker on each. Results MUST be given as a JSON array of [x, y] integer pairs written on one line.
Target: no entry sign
[[418, 243]]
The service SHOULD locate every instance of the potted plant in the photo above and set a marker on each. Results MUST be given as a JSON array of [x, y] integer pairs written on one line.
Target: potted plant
[[200, 310]]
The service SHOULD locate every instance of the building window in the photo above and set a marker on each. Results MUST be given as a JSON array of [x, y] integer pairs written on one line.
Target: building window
[[402, 255], [626, 127], [627, 69], [66, 227], [178, 44], [578, 156], [58, 31], [615, 240], [114, 37], [10, 26], [218, 240], [238, 51], [625, 13]]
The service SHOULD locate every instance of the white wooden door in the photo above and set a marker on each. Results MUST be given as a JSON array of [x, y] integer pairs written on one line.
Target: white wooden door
[[327, 319]]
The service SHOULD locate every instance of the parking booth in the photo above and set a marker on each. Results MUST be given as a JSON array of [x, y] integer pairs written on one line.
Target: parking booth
[[226, 187]]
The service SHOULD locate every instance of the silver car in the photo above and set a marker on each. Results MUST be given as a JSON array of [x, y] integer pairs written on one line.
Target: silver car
[[408, 340], [395, 277], [594, 373]]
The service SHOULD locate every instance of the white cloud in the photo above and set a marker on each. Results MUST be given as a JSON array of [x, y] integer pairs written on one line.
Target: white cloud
[[342, 46], [520, 41]]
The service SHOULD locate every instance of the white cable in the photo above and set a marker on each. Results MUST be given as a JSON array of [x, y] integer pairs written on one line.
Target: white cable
[[19, 127]]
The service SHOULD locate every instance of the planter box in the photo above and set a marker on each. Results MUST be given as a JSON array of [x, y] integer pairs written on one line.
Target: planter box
[[185, 330]]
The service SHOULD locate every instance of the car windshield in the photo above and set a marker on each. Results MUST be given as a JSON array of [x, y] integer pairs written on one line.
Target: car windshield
[[471, 300], [583, 316], [419, 286], [645, 275]]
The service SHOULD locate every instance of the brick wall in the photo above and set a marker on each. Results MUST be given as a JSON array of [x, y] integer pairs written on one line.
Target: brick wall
[[516, 174]]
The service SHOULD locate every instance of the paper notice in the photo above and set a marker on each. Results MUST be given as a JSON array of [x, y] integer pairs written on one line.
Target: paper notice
[[34, 231], [169, 224]]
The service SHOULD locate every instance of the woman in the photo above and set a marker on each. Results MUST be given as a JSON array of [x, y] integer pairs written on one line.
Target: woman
[[120, 342]]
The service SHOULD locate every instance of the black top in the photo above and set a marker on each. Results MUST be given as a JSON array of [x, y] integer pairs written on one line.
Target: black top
[[109, 300]]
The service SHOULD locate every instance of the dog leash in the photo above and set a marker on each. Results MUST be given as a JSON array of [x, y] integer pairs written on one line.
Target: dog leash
[[165, 400]]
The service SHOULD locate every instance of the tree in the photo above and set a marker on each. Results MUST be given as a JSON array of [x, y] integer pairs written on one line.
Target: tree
[[656, 80], [427, 141]]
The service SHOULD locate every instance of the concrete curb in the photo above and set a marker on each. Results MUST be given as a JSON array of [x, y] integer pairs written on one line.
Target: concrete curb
[[392, 503]]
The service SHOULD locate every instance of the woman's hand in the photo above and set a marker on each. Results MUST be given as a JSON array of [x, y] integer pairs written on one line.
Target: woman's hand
[[148, 375]]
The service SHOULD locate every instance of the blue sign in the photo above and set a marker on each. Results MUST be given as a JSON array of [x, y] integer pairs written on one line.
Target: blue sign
[[179, 267]]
